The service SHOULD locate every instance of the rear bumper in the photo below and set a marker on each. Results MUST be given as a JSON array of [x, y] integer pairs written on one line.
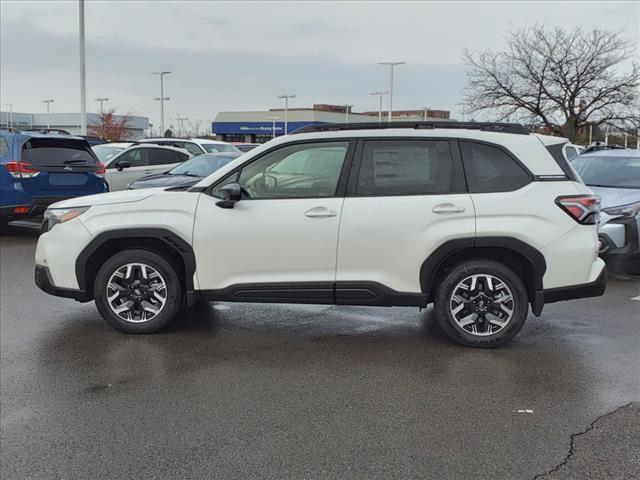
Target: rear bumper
[[37, 206], [45, 283], [585, 290]]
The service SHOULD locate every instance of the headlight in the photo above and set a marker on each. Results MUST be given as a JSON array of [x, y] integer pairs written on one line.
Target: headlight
[[52, 216], [630, 210]]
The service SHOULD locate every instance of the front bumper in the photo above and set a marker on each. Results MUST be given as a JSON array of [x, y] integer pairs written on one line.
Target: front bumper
[[619, 237], [45, 283]]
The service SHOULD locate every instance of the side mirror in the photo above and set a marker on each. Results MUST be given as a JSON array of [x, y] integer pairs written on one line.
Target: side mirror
[[122, 164], [230, 194]]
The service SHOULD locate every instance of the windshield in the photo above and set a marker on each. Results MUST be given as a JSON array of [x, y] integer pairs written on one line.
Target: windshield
[[202, 165], [219, 147], [613, 172], [105, 152]]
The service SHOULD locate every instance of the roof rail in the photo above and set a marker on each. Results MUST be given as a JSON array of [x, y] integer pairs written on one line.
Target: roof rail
[[484, 126], [599, 146], [59, 131]]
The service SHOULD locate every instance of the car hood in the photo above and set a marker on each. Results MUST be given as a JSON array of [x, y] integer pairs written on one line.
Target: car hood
[[615, 197], [111, 198], [164, 180]]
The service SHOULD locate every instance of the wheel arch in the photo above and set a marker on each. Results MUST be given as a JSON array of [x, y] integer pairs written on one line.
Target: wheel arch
[[527, 262], [162, 241]]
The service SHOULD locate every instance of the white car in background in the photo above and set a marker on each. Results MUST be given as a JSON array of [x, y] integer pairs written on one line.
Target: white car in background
[[195, 146], [105, 151], [139, 161]]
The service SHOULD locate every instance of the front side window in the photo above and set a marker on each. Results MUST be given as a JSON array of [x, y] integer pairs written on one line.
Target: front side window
[[295, 171], [407, 167], [192, 148], [491, 169], [137, 157], [219, 148]]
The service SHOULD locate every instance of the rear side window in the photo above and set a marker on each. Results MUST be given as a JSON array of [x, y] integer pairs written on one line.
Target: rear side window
[[4, 148], [407, 167], [161, 156], [491, 169], [555, 151], [48, 152], [137, 157], [192, 148]]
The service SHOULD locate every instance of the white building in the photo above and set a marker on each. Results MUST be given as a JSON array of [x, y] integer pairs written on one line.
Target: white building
[[67, 121]]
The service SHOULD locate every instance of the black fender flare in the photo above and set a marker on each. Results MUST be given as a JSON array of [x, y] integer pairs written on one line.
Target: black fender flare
[[532, 255], [170, 239]]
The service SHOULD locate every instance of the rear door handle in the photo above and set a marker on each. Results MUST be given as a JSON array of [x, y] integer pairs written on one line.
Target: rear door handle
[[447, 208], [320, 212]]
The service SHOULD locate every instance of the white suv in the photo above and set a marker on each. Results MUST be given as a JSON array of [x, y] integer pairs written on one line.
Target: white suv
[[482, 220], [195, 146]]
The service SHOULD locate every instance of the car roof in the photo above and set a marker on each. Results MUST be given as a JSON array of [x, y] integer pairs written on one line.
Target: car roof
[[115, 144], [180, 139], [614, 152], [222, 154], [21, 134]]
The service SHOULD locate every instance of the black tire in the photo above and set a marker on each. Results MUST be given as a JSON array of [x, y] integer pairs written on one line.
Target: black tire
[[168, 273], [457, 274]]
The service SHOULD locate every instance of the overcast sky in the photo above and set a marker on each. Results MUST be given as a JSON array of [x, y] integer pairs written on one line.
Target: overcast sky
[[241, 55]]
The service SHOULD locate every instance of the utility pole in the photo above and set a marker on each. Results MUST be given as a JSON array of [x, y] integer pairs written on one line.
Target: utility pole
[[162, 98], [273, 125], [391, 66], [101, 100], [180, 124], [48, 102], [426, 111], [286, 97], [380, 94], [590, 133], [83, 73]]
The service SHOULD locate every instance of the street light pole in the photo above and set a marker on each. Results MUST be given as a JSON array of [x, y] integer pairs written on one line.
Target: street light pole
[[286, 97], [48, 102], [426, 111], [10, 122], [391, 66], [102, 100], [380, 94], [273, 125], [83, 73], [346, 113], [162, 98], [181, 124]]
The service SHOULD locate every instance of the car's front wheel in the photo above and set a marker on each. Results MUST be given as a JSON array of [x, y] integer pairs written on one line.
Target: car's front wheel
[[481, 303], [137, 291]]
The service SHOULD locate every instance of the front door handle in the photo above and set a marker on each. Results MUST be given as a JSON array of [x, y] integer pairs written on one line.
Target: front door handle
[[447, 208], [320, 212]]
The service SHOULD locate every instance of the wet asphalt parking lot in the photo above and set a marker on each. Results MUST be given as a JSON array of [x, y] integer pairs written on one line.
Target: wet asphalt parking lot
[[306, 392]]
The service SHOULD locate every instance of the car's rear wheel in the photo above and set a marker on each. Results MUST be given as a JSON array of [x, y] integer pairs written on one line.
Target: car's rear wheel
[[137, 291], [481, 303]]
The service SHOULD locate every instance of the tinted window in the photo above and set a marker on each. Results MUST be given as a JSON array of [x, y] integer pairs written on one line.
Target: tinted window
[[605, 171], [160, 156], [137, 157], [105, 152], [309, 170], [192, 148], [219, 148], [4, 148], [406, 167], [57, 152], [491, 169]]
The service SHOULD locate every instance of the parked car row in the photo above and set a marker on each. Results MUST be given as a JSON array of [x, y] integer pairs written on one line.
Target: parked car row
[[38, 168]]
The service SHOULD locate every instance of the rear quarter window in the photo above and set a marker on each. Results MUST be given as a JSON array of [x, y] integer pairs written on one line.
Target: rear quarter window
[[4, 147], [489, 168]]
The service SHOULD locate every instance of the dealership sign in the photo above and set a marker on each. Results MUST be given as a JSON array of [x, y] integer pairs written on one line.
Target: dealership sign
[[258, 128]]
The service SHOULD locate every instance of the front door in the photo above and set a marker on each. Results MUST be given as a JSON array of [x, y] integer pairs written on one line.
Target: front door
[[279, 241], [119, 179]]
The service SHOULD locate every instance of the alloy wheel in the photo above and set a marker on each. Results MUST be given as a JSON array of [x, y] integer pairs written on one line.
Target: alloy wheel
[[481, 304], [136, 292]]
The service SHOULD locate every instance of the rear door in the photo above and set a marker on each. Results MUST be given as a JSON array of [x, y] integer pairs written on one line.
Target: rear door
[[405, 198], [66, 167]]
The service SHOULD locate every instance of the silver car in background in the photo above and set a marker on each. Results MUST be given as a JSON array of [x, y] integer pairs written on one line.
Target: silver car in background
[[614, 175]]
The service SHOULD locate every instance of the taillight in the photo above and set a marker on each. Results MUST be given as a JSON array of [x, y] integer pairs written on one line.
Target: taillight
[[21, 169], [584, 209], [100, 169]]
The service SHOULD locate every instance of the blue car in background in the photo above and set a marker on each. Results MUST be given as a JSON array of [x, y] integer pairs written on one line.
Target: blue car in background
[[38, 169]]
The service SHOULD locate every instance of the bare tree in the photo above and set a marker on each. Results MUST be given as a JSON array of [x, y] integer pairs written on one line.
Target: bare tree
[[111, 127], [561, 80]]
